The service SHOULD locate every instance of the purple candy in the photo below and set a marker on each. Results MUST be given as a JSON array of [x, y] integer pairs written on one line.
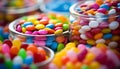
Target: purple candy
[[28, 32], [42, 32], [102, 10], [18, 28], [94, 6], [82, 54], [35, 33]]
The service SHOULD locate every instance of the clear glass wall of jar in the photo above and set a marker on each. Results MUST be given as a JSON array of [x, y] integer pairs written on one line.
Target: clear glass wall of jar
[[94, 30]]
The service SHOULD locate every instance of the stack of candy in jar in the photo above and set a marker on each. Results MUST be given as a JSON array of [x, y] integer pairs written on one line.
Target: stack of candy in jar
[[4, 33], [98, 22], [46, 30], [82, 57], [15, 55]]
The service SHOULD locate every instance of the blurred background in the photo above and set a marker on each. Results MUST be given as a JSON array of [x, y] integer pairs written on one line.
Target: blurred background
[[13, 9]]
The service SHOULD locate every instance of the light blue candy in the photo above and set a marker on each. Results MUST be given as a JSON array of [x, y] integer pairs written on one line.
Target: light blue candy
[[118, 4], [17, 66], [51, 38], [54, 46], [50, 26], [26, 24], [48, 43], [105, 6], [107, 36], [28, 60]]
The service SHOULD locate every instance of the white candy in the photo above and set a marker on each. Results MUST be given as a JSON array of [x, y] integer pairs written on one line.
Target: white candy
[[114, 25], [82, 31], [17, 60], [83, 36], [100, 41], [112, 11], [86, 28], [113, 44], [93, 24]]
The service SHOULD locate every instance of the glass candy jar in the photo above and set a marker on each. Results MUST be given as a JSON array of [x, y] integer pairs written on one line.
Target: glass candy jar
[[95, 24]]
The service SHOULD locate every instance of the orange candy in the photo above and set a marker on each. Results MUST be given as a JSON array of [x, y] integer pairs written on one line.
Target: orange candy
[[41, 50], [43, 21], [14, 50], [60, 39], [99, 2], [32, 48], [30, 27], [50, 31], [58, 25]]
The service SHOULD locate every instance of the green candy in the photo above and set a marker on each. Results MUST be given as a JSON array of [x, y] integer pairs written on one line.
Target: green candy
[[33, 66], [22, 53], [84, 67], [1, 38], [8, 63], [60, 47], [65, 27]]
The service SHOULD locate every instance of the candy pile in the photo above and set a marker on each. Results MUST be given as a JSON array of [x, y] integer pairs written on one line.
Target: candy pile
[[46, 30], [100, 23], [15, 55], [81, 57], [4, 33]]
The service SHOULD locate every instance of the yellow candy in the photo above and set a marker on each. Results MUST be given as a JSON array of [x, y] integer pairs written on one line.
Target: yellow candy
[[57, 62], [78, 65], [90, 57], [62, 18], [19, 3], [116, 38], [23, 29], [36, 22], [53, 21], [31, 19], [91, 41], [101, 45], [17, 43], [70, 65], [70, 45], [98, 36], [40, 26], [94, 65], [57, 32], [0, 42], [106, 30]]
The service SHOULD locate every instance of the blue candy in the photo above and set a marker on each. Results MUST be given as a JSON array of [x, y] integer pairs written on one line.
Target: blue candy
[[17, 66], [107, 36], [51, 38], [48, 43], [29, 40], [1, 31], [105, 6], [5, 35], [28, 60], [26, 24], [54, 46], [50, 26], [2, 66]]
